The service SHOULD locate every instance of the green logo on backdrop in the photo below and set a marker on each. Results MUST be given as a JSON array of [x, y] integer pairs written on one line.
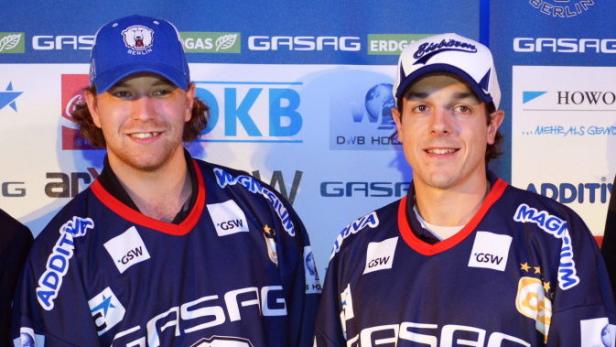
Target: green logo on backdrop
[[391, 44], [211, 42], [12, 42]]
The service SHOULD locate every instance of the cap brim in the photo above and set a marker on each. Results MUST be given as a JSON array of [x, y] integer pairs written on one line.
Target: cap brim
[[108, 79], [446, 69]]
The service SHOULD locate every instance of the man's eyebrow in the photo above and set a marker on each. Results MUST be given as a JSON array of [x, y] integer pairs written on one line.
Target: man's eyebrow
[[416, 95], [464, 95]]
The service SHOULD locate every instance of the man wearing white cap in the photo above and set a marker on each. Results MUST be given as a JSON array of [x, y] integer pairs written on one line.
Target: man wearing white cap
[[464, 258], [163, 249]]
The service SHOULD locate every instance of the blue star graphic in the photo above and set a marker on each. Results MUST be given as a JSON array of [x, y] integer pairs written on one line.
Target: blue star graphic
[[105, 305], [8, 97]]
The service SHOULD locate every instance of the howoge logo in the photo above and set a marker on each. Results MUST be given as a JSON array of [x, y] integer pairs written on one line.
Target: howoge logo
[[429, 49], [370, 126], [211, 42], [586, 97], [12, 42], [304, 43], [562, 8], [72, 95]]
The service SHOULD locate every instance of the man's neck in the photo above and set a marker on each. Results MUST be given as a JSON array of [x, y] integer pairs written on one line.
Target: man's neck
[[158, 193], [452, 206]]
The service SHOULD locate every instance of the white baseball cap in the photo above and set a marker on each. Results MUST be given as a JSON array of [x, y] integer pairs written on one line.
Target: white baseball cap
[[451, 53]]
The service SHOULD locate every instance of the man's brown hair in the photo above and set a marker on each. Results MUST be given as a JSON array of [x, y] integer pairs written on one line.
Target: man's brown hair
[[81, 115]]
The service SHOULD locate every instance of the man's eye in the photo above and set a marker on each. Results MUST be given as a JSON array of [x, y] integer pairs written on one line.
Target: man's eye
[[420, 108], [462, 109], [122, 94], [162, 91]]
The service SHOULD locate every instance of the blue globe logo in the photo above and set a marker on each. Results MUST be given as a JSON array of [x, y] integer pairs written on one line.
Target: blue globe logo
[[378, 102]]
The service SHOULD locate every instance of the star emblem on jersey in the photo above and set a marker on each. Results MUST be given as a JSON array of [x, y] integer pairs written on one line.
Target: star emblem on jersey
[[106, 310], [8, 97], [105, 305]]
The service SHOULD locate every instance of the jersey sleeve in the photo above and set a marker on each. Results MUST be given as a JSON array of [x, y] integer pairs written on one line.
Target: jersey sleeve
[[299, 275], [609, 240], [328, 330], [50, 306], [583, 311]]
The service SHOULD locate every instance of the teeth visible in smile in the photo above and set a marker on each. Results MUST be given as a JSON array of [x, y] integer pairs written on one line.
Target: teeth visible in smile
[[441, 150], [144, 135]]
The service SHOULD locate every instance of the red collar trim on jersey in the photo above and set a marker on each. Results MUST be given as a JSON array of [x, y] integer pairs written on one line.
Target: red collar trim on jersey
[[137, 217], [425, 248]]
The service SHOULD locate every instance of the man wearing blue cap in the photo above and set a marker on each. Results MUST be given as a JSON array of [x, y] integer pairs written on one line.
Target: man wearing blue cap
[[163, 249], [464, 258]]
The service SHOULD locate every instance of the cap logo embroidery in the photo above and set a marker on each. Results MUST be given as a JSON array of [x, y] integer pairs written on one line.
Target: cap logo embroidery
[[138, 39], [430, 49]]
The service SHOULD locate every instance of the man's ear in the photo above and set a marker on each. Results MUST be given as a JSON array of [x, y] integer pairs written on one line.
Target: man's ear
[[496, 119], [92, 107]]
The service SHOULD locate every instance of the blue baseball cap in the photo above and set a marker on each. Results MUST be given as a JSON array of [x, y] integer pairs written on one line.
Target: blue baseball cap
[[137, 44], [450, 53]]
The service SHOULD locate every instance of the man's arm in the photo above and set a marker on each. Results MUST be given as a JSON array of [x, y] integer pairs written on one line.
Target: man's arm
[[50, 305], [583, 310], [609, 239]]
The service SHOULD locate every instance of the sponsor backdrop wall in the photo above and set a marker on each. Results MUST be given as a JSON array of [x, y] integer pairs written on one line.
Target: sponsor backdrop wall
[[300, 94]]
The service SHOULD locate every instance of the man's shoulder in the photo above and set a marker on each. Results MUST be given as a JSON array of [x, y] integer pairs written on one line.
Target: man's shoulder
[[371, 227], [14, 234], [523, 200], [73, 218], [11, 227]]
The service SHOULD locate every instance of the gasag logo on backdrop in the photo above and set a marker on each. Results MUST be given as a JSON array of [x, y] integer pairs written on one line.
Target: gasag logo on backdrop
[[369, 123], [390, 44], [211, 42], [12, 42], [61, 42], [562, 8], [72, 95], [8, 97], [365, 189], [304, 43], [252, 111], [564, 45]]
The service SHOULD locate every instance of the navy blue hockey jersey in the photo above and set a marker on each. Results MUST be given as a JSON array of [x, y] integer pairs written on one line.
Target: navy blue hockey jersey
[[525, 271], [238, 271]]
